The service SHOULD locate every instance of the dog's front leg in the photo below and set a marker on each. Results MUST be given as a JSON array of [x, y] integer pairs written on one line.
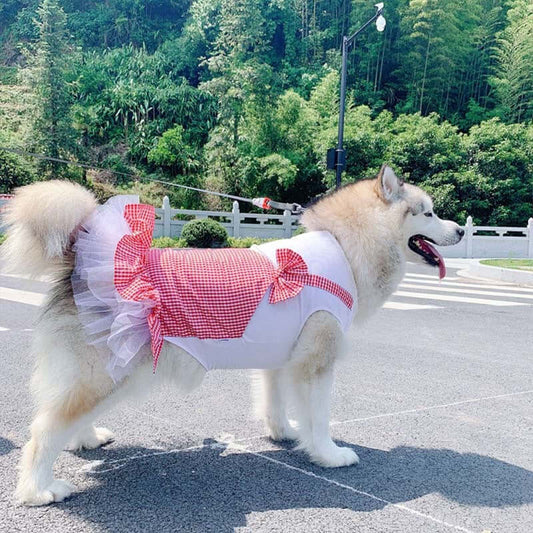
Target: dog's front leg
[[271, 404], [319, 345]]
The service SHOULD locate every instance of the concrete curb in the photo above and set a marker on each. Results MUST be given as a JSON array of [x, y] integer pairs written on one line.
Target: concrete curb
[[509, 275]]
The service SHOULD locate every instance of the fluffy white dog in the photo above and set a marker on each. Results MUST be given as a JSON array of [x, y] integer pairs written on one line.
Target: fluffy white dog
[[379, 223]]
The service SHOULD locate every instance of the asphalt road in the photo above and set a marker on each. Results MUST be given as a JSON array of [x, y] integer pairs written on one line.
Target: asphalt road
[[436, 398]]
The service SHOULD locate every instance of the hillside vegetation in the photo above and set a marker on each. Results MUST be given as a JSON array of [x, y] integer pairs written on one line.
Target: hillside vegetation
[[241, 96]]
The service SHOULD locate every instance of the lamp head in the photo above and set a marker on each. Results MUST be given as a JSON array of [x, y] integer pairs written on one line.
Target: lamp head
[[381, 23]]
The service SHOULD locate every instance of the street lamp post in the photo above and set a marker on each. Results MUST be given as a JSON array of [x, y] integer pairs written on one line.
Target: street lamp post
[[336, 158]]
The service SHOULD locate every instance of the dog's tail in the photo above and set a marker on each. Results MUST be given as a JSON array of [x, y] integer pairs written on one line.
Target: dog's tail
[[41, 219]]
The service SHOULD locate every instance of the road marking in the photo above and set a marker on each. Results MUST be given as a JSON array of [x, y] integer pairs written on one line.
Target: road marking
[[449, 298], [434, 277], [4, 329], [496, 287], [93, 467], [431, 407], [243, 449], [466, 290], [120, 463], [408, 307], [23, 297]]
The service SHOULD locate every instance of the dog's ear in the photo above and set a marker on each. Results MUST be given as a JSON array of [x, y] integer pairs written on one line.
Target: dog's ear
[[388, 184]]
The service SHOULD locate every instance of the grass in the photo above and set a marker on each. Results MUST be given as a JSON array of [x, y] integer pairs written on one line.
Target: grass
[[517, 264]]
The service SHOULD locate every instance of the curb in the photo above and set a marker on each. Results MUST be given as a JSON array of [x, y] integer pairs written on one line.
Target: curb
[[509, 275]]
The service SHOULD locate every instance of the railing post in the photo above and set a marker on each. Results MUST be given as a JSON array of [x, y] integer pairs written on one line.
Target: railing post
[[287, 223], [236, 219], [530, 237], [166, 217], [469, 233]]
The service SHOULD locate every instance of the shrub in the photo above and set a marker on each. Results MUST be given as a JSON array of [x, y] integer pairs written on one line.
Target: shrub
[[168, 242], [14, 172], [8, 75], [204, 233], [245, 242]]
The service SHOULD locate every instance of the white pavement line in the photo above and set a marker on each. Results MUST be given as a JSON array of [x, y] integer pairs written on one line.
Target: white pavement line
[[492, 286], [117, 464], [450, 298], [308, 473], [427, 276], [4, 329], [23, 297], [431, 407], [120, 463], [45, 279], [467, 290], [408, 307]]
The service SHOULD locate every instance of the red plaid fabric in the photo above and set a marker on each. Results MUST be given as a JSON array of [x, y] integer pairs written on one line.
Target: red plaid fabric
[[207, 294], [291, 276]]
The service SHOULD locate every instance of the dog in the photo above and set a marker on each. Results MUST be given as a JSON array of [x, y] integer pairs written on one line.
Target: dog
[[380, 224]]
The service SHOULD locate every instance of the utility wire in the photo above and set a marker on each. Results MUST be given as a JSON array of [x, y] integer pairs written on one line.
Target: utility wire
[[265, 203]]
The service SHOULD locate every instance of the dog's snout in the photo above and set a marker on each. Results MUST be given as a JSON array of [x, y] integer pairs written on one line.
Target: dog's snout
[[460, 232]]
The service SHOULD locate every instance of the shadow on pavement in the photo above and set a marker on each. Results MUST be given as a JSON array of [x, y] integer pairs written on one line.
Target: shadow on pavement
[[210, 490], [6, 446]]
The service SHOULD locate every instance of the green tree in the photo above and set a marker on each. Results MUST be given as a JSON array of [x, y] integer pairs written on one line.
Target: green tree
[[438, 37], [53, 133], [513, 80]]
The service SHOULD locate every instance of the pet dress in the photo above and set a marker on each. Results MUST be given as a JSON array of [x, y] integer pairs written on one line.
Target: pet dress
[[228, 308]]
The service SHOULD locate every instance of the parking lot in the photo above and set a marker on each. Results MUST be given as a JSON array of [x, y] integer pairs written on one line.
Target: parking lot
[[436, 398]]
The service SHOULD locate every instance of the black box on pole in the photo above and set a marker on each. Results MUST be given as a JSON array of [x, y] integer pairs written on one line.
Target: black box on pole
[[330, 159]]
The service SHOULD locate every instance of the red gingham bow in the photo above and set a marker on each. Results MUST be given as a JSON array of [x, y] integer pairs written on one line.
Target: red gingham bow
[[289, 277]]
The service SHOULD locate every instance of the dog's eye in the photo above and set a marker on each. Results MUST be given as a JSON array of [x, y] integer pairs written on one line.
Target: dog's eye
[[428, 214]]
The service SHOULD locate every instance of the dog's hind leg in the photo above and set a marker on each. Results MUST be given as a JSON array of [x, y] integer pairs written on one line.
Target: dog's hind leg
[[89, 438], [68, 384], [311, 372], [51, 429], [271, 404]]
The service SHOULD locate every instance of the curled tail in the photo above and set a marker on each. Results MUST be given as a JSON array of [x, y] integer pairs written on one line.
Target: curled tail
[[40, 220]]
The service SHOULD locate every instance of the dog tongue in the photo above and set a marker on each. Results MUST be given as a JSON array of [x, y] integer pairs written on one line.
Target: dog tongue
[[430, 249]]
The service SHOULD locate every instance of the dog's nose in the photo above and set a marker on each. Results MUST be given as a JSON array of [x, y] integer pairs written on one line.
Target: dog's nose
[[460, 232]]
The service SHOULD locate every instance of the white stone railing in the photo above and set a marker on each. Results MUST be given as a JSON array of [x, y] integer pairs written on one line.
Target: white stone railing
[[493, 241], [236, 223]]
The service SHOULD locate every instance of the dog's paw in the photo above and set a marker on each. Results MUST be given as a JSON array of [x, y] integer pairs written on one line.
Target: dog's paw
[[335, 456], [57, 491], [282, 432], [90, 439]]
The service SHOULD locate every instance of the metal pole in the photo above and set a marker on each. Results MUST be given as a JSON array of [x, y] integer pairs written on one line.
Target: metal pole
[[340, 154]]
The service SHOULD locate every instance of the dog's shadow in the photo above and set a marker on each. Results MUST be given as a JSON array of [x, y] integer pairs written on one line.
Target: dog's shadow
[[6, 446], [211, 489]]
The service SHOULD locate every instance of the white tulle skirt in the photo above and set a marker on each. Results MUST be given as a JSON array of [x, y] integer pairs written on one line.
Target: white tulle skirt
[[116, 327]]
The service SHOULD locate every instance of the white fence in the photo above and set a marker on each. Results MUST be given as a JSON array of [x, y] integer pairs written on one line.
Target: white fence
[[493, 241], [236, 223]]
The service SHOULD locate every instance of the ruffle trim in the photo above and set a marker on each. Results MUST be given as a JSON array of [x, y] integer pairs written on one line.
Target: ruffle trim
[[118, 328]]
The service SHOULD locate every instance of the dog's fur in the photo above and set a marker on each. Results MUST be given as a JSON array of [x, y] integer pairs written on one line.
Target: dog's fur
[[372, 220]]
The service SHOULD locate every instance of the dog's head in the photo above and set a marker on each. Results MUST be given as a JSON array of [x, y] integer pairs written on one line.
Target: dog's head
[[420, 226]]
